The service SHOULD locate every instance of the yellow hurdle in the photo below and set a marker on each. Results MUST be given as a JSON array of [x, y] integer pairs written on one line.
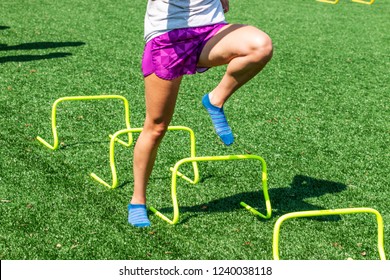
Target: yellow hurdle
[[316, 213], [357, 1], [176, 173], [114, 138], [364, 2], [82, 98], [328, 1]]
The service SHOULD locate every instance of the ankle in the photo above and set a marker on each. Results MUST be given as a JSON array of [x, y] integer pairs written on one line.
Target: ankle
[[215, 101], [136, 200]]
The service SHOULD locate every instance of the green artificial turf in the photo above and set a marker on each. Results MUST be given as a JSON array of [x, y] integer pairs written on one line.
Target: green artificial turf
[[318, 114]]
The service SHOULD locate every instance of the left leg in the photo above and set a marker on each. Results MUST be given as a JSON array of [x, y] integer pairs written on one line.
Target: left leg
[[245, 49]]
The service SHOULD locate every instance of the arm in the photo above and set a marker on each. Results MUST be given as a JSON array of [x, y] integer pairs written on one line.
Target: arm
[[225, 5]]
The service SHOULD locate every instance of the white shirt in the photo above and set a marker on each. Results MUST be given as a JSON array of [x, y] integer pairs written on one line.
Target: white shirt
[[165, 15]]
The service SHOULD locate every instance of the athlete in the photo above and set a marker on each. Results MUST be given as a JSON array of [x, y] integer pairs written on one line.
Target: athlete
[[184, 37]]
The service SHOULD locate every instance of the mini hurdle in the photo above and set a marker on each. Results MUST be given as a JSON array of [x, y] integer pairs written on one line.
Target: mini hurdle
[[328, 1], [176, 173], [369, 2], [316, 213], [114, 138], [82, 98], [364, 2]]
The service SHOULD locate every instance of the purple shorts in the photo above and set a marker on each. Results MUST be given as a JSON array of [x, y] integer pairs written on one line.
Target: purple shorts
[[177, 52]]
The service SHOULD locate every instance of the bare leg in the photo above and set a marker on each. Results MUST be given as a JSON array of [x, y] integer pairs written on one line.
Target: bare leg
[[245, 49], [160, 97]]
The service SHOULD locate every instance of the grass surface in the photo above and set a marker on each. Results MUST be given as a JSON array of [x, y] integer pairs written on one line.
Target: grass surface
[[318, 114]]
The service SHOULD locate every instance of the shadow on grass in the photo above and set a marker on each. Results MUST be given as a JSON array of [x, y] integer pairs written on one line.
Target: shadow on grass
[[4, 27], [40, 46], [283, 200], [25, 58], [36, 46]]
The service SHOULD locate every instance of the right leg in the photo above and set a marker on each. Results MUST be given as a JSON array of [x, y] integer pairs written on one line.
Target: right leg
[[160, 98]]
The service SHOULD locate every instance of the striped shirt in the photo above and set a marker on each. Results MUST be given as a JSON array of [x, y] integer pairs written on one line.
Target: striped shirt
[[165, 15]]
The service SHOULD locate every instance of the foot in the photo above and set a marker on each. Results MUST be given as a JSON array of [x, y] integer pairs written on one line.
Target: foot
[[220, 123], [137, 215]]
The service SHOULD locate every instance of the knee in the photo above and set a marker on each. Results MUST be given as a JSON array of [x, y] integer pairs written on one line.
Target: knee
[[261, 48], [156, 131]]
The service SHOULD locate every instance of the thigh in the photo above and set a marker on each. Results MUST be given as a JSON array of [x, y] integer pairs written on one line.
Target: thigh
[[160, 98], [231, 41]]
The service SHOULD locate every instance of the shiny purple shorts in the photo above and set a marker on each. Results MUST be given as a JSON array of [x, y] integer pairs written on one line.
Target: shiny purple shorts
[[177, 52]]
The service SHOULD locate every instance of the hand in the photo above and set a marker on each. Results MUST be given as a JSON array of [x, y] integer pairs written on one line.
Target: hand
[[225, 5]]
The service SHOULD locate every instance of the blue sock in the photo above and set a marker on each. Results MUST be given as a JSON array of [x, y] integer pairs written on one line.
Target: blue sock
[[220, 123], [137, 215]]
